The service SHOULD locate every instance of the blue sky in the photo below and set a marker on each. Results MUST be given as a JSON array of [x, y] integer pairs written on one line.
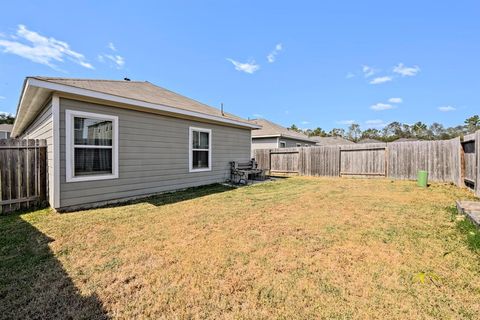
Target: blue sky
[[312, 63]]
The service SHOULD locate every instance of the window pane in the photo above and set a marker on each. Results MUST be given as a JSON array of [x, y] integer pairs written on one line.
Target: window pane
[[203, 140], [200, 159], [92, 161], [195, 140], [92, 132]]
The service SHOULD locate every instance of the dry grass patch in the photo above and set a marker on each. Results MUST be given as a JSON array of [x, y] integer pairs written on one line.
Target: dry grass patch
[[297, 248]]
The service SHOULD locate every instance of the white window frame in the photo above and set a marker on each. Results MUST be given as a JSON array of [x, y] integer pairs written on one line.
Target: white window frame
[[190, 149], [70, 146], [280, 144]]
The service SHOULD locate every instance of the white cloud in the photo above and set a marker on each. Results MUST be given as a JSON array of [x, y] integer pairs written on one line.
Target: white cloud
[[346, 122], [272, 55], [305, 122], [247, 67], [406, 71], [376, 123], [41, 49], [379, 80], [118, 60], [382, 106], [395, 100], [368, 71], [2, 98], [350, 75], [446, 108], [257, 115]]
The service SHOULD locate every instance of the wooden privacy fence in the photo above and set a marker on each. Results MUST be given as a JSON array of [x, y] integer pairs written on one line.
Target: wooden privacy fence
[[400, 160], [471, 161], [23, 179]]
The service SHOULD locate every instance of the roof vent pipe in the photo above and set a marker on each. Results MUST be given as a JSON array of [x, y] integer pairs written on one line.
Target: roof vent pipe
[[222, 109]]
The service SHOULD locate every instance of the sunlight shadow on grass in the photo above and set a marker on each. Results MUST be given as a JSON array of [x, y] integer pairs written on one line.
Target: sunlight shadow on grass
[[33, 283]]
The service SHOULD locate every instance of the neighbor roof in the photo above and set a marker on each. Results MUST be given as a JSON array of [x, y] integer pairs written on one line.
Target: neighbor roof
[[137, 93], [368, 140], [271, 129], [6, 127], [405, 140], [331, 141]]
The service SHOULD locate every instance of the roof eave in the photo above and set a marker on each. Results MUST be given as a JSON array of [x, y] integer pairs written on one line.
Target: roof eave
[[32, 82], [284, 136]]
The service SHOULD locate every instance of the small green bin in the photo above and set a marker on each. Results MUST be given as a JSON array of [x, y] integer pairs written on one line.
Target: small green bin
[[422, 178]]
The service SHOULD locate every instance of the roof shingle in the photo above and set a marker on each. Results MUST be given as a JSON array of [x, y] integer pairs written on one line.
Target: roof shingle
[[272, 129], [142, 91]]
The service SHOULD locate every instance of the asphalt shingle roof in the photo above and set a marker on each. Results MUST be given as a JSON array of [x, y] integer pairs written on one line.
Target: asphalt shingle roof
[[142, 91], [331, 141], [272, 129], [6, 127]]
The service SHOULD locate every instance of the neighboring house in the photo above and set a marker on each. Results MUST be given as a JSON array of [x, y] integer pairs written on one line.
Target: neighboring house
[[5, 130], [331, 141], [368, 140], [272, 136], [110, 141]]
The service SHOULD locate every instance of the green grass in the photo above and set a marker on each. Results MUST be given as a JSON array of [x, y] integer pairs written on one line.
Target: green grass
[[294, 249], [471, 232]]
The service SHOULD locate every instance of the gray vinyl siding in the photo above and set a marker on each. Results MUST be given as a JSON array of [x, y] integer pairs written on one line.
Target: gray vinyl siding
[[153, 156], [274, 142], [292, 143], [4, 135], [264, 143], [42, 128]]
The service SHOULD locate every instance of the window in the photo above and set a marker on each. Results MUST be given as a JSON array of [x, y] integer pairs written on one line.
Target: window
[[299, 144], [91, 146], [283, 144], [307, 145], [200, 149]]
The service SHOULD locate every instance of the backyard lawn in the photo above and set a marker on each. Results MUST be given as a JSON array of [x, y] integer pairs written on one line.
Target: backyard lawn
[[295, 248]]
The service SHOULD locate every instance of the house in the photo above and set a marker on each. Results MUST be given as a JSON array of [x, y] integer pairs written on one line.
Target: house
[[272, 136], [331, 141], [111, 141], [5, 130]]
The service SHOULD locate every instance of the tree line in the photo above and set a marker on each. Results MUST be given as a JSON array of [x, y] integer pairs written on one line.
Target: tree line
[[6, 118], [396, 130]]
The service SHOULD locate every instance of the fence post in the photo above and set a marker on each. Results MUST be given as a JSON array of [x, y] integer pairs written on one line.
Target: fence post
[[477, 156], [339, 161], [42, 174], [386, 160]]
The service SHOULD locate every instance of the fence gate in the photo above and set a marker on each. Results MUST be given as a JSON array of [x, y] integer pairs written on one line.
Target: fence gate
[[470, 161], [363, 161], [284, 161], [23, 178]]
